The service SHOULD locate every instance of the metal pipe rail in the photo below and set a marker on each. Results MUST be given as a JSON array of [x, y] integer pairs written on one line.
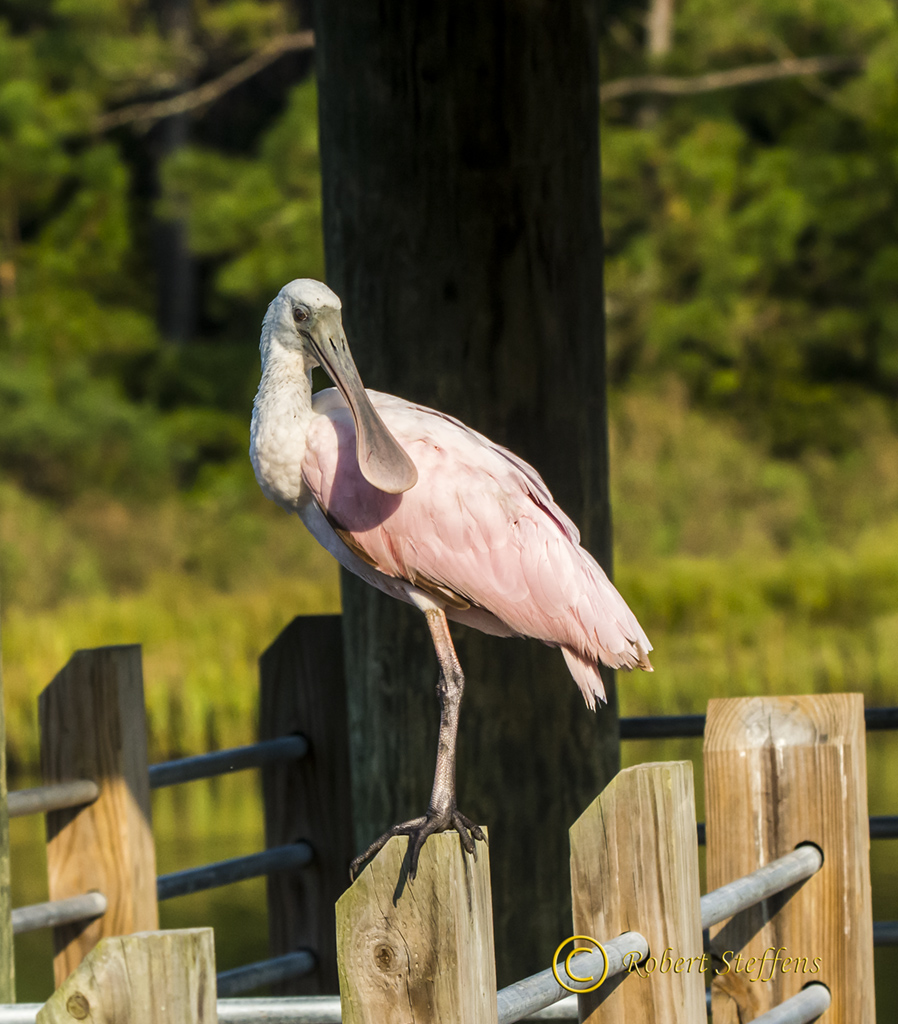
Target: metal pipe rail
[[220, 762], [662, 727], [539, 991], [882, 826], [223, 872], [266, 972], [802, 1008], [54, 797], [284, 1010], [278, 1010], [767, 881], [657, 727], [57, 912]]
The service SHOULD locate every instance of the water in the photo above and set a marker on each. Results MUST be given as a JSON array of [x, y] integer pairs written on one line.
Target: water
[[194, 824], [214, 819]]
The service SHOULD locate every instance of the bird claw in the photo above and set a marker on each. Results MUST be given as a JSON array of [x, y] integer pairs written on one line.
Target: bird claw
[[417, 830]]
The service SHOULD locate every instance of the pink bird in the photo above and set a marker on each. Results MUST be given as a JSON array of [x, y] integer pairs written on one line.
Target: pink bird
[[433, 513]]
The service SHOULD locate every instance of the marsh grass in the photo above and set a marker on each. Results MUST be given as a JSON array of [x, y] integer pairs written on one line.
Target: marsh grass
[[751, 575], [200, 655]]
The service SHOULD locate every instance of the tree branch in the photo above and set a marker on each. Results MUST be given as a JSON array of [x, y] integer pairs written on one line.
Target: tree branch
[[752, 74], [666, 85], [146, 113]]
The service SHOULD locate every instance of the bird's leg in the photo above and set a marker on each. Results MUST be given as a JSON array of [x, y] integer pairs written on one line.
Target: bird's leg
[[442, 814]]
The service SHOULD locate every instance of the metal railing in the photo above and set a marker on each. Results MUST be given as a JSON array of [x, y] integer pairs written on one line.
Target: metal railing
[[672, 727], [89, 906], [539, 997], [221, 762], [882, 826], [283, 1010], [56, 797], [541, 990]]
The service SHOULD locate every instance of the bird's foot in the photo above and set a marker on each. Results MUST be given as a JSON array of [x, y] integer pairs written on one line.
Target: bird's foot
[[417, 830]]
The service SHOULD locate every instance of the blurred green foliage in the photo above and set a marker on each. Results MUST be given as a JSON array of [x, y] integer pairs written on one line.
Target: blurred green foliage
[[261, 217], [90, 395], [751, 241], [752, 294], [751, 232]]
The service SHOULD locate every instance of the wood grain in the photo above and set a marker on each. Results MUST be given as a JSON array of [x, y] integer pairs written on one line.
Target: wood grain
[[460, 179], [634, 866], [146, 978], [303, 691], [93, 726], [780, 771], [419, 952]]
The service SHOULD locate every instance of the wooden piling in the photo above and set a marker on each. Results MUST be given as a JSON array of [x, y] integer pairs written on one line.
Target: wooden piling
[[634, 866], [93, 726], [781, 771], [419, 952], [150, 977], [303, 691]]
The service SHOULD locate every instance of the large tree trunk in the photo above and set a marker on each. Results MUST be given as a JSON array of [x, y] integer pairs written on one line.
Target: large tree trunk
[[460, 158]]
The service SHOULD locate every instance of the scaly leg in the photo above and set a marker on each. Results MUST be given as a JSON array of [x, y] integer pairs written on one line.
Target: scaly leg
[[442, 814]]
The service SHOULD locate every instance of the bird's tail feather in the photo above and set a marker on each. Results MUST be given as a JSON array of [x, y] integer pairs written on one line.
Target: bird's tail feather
[[586, 676]]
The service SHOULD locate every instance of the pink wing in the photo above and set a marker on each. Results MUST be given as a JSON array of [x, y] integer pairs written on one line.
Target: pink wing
[[479, 528]]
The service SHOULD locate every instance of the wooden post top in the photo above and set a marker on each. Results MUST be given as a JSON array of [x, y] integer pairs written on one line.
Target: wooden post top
[[634, 866], [809, 720], [163, 977], [780, 772], [419, 952], [93, 726]]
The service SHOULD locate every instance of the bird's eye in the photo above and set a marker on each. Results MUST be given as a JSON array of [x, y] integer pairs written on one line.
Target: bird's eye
[[300, 314]]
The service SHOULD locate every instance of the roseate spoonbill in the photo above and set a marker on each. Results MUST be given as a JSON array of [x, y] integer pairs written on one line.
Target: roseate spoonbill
[[431, 512]]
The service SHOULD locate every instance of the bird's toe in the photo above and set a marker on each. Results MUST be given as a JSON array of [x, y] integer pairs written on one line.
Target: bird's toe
[[418, 830], [475, 830]]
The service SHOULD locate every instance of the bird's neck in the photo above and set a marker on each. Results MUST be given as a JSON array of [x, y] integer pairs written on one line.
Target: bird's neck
[[282, 413], [286, 384]]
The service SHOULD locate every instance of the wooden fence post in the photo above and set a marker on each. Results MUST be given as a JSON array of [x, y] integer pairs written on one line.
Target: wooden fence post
[[419, 952], [150, 977], [93, 726], [303, 691], [7, 959], [779, 772], [634, 866]]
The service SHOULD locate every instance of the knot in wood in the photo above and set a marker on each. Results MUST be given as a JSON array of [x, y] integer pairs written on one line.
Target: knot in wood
[[385, 957], [77, 1006]]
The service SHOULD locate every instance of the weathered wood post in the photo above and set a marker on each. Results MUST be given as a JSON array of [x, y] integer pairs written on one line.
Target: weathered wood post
[[419, 952], [634, 866], [7, 960], [779, 772], [303, 691], [150, 977], [93, 726], [460, 192]]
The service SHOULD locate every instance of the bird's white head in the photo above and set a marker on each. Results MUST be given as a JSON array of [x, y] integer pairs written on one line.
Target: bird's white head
[[306, 316], [295, 310]]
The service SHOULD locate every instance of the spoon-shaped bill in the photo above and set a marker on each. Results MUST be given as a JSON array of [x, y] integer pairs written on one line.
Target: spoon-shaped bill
[[383, 463]]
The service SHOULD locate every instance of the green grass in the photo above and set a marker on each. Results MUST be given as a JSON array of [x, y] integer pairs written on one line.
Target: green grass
[[806, 623], [750, 576]]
